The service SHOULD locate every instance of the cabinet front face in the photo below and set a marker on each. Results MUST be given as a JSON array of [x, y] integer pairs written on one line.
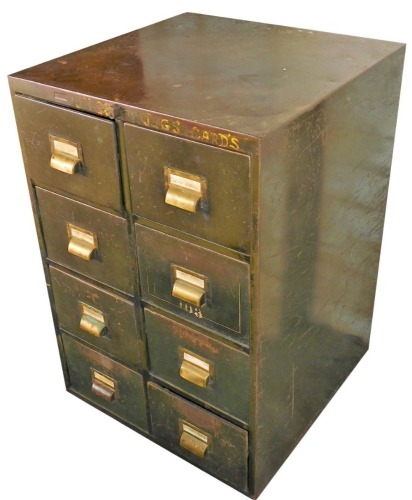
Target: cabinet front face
[[70, 151], [86, 240], [193, 187], [204, 287], [172, 328]]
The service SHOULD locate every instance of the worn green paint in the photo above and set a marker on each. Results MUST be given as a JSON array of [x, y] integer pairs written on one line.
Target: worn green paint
[[114, 256], [129, 402], [228, 389], [98, 179], [227, 297], [122, 339], [226, 457], [226, 220], [298, 224]]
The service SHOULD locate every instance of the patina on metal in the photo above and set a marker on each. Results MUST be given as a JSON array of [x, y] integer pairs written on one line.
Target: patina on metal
[[92, 320], [66, 156], [103, 386], [189, 360], [107, 384], [102, 318], [82, 243], [210, 224], [194, 440]]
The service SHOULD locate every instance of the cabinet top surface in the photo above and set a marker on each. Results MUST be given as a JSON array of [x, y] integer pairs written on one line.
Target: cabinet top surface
[[238, 75]]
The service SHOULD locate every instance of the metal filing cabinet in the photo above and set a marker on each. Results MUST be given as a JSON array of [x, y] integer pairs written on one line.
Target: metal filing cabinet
[[210, 225]]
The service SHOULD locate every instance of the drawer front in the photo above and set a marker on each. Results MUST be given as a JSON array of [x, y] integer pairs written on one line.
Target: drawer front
[[101, 318], [200, 285], [204, 439], [199, 189], [212, 372], [87, 240], [106, 383], [71, 151]]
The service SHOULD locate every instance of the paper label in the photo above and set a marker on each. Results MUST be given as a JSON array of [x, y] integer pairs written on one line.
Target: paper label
[[93, 313], [196, 361], [194, 432], [184, 182], [102, 378], [189, 278], [64, 147]]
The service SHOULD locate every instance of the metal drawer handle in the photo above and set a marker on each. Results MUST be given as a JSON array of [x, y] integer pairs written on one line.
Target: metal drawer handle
[[189, 287], [184, 190], [66, 155], [82, 243], [195, 370], [65, 164], [194, 440], [183, 198], [103, 386], [92, 320], [188, 293]]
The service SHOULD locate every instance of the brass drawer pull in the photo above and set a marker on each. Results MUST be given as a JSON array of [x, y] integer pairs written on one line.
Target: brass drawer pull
[[82, 243], [183, 190], [194, 369], [188, 293], [103, 386], [64, 163], [183, 198], [189, 287], [92, 321], [193, 440], [66, 155]]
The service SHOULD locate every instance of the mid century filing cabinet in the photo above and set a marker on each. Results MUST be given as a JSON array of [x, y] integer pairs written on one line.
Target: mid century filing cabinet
[[209, 196]]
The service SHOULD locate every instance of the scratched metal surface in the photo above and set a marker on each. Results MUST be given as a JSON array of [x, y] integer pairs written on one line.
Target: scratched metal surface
[[129, 402], [113, 259], [227, 301], [225, 220], [242, 76], [320, 230], [318, 189], [98, 179], [165, 337], [227, 453], [122, 337]]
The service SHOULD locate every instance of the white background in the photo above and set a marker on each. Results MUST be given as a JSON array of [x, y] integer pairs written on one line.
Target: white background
[[53, 445]]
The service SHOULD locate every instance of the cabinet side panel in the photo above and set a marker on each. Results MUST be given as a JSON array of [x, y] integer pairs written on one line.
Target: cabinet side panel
[[324, 181]]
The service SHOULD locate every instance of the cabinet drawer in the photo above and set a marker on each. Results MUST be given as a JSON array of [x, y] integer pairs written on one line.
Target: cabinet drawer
[[71, 151], [204, 439], [211, 371], [108, 384], [203, 286], [101, 318], [87, 240], [197, 188]]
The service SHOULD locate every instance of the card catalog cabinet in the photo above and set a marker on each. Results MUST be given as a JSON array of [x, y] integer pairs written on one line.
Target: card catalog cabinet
[[209, 196]]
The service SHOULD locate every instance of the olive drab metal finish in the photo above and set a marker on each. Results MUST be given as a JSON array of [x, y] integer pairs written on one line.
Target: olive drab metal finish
[[106, 383], [200, 436], [87, 240], [170, 279], [71, 151], [210, 227], [205, 368], [159, 163], [99, 317]]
